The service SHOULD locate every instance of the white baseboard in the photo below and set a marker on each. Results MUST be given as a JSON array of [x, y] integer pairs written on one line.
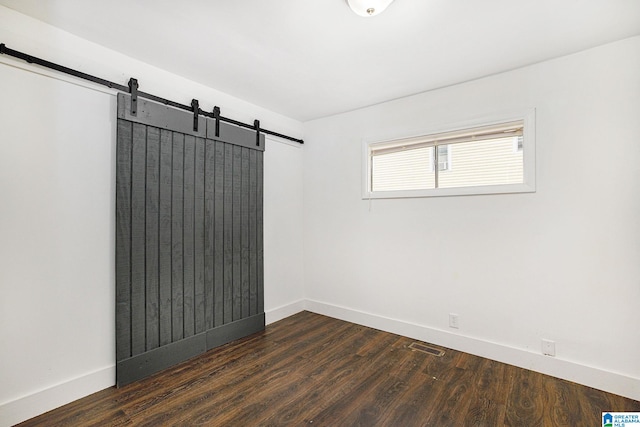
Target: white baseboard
[[565, 369], [39, 402], [42, 401], [34, 404], [283, 311]]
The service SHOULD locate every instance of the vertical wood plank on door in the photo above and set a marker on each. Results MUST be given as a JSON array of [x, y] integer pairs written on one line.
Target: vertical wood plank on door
[[123, 240], [228, 233], [218, 236], [188, 240], [165, 237], [138, 178], [237, 200], [151, 238], [259, 232], [199, 242], [209, 186], [253, 227], [244, 233], [189, 181], [177, 206]]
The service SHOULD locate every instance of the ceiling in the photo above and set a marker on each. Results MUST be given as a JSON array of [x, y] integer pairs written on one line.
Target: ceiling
[[310, 59]]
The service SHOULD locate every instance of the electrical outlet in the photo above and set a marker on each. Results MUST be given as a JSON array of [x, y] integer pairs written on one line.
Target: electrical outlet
[[548, 347], [453, 321]]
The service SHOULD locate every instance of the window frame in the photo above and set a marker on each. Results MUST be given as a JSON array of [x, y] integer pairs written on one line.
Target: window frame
[[529, 161]]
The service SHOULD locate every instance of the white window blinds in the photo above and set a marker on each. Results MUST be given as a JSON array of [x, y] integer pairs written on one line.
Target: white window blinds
[[471, 157]]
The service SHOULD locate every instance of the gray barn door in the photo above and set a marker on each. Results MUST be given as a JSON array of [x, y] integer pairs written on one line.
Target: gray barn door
[[189, 251]]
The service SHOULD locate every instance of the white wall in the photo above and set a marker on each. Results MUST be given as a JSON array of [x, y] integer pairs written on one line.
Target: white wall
[[57, 174], [283, 253], [562, 263], [57, 227]]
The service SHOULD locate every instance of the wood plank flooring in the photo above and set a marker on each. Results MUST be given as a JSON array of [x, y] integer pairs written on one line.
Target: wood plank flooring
[[310, 369]]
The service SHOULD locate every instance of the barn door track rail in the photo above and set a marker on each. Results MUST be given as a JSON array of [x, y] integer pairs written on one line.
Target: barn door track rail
[[132, 88]]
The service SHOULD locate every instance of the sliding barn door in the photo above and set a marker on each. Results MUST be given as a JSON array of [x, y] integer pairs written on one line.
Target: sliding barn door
[[189, 251]]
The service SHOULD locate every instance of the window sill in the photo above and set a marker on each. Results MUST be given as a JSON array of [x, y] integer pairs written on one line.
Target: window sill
[[447, 192]]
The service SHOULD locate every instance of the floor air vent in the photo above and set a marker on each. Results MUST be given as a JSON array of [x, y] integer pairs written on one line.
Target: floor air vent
[[426, 349]]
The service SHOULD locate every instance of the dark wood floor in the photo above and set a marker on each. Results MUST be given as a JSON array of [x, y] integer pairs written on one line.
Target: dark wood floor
[[311, 369]]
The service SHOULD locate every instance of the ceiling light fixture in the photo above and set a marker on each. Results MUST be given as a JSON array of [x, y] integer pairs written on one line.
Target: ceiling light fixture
[[368, 8]]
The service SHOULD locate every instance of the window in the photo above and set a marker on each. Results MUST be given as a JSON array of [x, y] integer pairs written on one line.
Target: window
[[493, 157], [518, 143], [444, 158]]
